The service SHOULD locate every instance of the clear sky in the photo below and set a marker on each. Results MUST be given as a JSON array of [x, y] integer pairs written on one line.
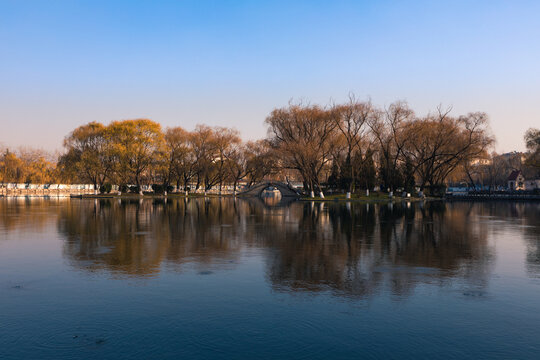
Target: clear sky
[[228, 63]]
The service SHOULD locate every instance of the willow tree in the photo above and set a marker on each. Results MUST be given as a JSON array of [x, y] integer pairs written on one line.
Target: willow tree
[[532, 141], [388, 133], [137, 145], [178, 159], [27, 165], [226, 142], [204, 151], [88, 154], [12, 168], [303, 137], [236, 163], [210, 146], [260, 161], [352, 120], [39, 168], [438, 143]]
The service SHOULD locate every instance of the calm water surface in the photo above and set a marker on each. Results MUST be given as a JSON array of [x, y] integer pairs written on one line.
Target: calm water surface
[[149, 279]]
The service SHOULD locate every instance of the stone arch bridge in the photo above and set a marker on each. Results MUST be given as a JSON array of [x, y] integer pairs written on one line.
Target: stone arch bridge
[[257, 189]]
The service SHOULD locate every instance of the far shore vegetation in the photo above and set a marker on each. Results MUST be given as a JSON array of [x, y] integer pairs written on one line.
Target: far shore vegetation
[[348, 147]]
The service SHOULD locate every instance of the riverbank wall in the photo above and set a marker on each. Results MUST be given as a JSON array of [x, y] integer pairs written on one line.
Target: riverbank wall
[[494, 197], [45, 189], [88, 189]]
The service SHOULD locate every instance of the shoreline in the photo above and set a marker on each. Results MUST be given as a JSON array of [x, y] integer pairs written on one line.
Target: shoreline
[[376, 198]]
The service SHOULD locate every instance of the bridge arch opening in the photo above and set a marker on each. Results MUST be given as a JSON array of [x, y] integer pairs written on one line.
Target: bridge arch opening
[[257, 190]]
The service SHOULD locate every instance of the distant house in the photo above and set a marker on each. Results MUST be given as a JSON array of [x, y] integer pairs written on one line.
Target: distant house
[[516, 181], [481, 161]]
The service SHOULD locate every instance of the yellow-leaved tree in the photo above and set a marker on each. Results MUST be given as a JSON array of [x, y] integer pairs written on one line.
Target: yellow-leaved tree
[[137, 146], [88, 156]]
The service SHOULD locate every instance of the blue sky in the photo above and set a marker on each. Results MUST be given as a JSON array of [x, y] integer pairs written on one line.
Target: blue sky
[[229, 63]]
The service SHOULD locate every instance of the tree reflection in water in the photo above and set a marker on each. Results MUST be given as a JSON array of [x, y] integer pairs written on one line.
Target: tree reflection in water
[[136, 237], [354, 249]]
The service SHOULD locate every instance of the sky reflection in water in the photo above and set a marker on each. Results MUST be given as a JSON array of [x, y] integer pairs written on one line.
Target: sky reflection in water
[[240, 279]]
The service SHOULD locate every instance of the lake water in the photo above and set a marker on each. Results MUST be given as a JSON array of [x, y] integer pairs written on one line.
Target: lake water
[[226, 279]]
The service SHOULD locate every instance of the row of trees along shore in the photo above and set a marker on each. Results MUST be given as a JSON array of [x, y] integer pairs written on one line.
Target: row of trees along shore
[[342, 147], [139, 152]]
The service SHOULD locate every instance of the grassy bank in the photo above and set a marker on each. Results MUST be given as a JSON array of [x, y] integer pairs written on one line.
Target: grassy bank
[[373, 197], [146, 196]]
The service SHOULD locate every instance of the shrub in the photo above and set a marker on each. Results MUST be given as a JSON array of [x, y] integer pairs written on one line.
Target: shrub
[[134, 189], [159, 188], [123, 188], [435, 190], [105, 188]]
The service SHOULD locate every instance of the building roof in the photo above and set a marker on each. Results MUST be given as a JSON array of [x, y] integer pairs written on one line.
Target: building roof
[[514, 174]]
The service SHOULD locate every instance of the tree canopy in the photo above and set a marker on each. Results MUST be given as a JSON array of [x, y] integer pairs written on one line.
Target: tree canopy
[[347, 146]]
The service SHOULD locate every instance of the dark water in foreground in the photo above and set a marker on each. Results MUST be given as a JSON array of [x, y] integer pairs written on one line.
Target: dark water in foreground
[[218, 279]]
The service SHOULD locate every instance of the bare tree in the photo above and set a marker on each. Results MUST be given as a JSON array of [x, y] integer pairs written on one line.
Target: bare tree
[[236, 163], [352, 120], [89, 153], [260, 161], [180, 162], [388, 132], [304, 137], [532, 141], [225, 140], [204, 151], [438, 144]]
